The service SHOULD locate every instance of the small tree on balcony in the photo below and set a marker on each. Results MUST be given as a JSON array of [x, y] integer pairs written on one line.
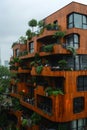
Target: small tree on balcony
[[32, 23], [29, 34], [22, 40]]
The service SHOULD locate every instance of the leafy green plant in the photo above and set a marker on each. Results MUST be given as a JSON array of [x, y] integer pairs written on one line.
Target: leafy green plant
[[51, 26], [60, 34], [52, 91], [39, 69], [35, 118], [22, 40], [29, 34], [62, 64], [56, 92], [72, 50], [48, 48], [32, 23], [16, 104], [24, 122], [48, 90], [41, 24], [16, 60]]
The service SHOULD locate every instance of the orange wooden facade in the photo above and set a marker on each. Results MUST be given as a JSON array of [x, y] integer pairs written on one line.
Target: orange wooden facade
[[62, 105]]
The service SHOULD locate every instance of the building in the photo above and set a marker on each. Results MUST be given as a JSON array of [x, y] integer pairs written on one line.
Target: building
[[52, 74], [6, 63]]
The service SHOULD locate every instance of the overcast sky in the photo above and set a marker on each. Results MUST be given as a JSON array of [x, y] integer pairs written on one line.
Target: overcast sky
[[14, 17]]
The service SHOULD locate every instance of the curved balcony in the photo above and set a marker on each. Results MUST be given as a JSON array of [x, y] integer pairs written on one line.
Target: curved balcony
[[57, 49], [47, 71], [28, 55], [46, 33], [21, 70]]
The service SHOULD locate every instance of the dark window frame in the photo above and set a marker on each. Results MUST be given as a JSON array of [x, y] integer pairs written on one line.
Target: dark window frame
[[78, 104], [31, 47], [81, 87], [72, 37], [72, 23], [17, 52]]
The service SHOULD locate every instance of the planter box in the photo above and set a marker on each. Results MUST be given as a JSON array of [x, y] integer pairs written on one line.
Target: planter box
[[35, 127]]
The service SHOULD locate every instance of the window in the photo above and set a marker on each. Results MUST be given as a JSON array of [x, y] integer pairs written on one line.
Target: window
[[73, 40], [17, 52], [79, 124], [77, 21], [55, 27], [82, 83], [31, 47], [78, 104]]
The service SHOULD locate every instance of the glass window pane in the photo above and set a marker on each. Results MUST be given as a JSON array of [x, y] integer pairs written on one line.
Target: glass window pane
[[80, 83], [80, 122], [78, 104], [76, 39], [85, 82], [70, 18], [84, 26], [77, 66], [77, 20], [70, 21], [73, 124], [84, 19]]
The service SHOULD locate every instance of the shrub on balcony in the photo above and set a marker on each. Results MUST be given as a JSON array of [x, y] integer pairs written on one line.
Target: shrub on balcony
[[72, 50], [35, 118], [39, 69], [16, 60], [48, 48], [59, 34], [51, 91], [52, 26], [24, 122], [62, 64]]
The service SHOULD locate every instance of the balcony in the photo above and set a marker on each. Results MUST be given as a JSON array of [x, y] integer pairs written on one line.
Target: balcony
[[49, 71], [56, 49], [23, 70], [46, 71], [28, 55], [46, 33]]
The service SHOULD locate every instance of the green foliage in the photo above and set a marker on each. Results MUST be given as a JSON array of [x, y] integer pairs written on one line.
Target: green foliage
[[16, 104], [24, 122], [72, 50], [36, 60], [60, 34], [3, 118], [52, 91], [39, 69], [62, 64], [48, 48], [35, 118], [5, 76], [32, 23], [29, 34], [16, 60], [22, 40], [41, 24], [52, 26]]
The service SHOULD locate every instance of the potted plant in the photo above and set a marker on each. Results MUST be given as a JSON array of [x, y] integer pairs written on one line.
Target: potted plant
[[24, 122], [39, 69], [48, 48], [35, 119], [72, 50], [32, 23], [62, 64]]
